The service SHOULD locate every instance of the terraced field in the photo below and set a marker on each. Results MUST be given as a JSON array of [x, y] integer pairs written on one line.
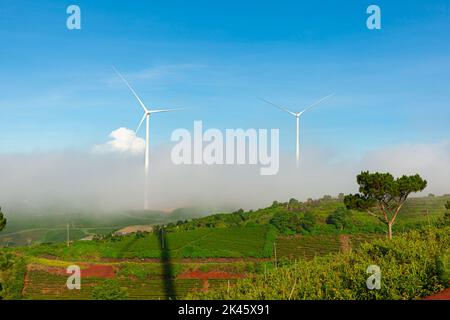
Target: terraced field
[[48, 283], [47, 286], [307, 247], [357, 239]]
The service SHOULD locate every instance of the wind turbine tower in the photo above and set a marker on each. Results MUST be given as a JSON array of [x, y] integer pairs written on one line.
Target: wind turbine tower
[[146, 117], [297, 116]]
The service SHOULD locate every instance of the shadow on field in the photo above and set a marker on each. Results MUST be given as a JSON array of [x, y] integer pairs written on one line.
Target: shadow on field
[[167, 274]]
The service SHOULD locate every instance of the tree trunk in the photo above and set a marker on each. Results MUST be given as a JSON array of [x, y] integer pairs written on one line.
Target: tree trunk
[[390, 230]]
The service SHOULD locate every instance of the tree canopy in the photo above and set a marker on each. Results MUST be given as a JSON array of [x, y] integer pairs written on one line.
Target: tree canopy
[[383, 196], [2, 220]]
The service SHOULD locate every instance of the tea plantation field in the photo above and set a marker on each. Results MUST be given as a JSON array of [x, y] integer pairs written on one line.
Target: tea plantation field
[[255, 241]]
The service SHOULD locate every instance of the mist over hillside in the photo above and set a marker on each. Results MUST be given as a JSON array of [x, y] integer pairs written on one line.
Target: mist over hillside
[[81, 181]]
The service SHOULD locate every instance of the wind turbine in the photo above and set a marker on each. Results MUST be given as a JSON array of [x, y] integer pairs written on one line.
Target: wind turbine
[[146, 116], [297, 116]]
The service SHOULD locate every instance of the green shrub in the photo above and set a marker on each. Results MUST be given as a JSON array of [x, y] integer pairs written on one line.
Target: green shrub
[[340, 218], [109, 290], [292, 222], [308, 221]]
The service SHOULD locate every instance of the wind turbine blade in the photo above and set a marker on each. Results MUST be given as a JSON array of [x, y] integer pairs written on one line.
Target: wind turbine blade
[[276, 106], [316, 103], [166, 110], [132, 90], [140, 123]]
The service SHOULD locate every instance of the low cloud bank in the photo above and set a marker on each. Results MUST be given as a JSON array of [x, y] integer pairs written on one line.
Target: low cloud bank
[[110, 181]]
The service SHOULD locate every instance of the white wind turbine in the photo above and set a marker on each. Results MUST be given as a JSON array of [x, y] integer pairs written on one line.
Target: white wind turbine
[[297, 118], [146, 116]]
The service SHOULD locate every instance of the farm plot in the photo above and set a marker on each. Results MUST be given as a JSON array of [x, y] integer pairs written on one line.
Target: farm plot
[[307, 247], [357, 239], [43, 285], [48, 283], [229, 242]]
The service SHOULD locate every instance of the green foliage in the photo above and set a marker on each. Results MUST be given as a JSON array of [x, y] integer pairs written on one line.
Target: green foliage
[[445, 220], [2, 220], [340, 218], [308, 221], [283, 221], [292, 222], [12, 273], [109, 290], [411, 267]]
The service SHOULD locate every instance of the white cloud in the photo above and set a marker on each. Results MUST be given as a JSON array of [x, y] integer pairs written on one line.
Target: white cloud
[[124, 140]]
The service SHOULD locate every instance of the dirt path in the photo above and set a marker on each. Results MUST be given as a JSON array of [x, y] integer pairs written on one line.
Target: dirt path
[[26, 281], [344, 241]]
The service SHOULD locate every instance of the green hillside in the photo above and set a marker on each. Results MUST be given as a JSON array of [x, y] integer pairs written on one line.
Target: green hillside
[[251, 241], [416, 212], [210, 256]]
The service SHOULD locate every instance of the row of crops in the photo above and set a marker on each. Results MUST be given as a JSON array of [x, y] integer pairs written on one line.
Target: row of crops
[[41, 285], [307, 247]]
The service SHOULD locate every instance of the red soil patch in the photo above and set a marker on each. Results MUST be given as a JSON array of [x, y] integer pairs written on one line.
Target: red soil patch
[[87, 270], [443, 295], [98, 271], [210, 275]]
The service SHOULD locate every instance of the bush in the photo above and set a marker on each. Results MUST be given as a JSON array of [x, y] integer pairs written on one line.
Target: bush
[[289, 222], [411, 267], [340, 218], [109, 290], [445, 220], [308, 221]]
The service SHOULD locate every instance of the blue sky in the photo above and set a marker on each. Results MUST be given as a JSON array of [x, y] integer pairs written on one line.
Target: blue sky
[[58, 90]]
